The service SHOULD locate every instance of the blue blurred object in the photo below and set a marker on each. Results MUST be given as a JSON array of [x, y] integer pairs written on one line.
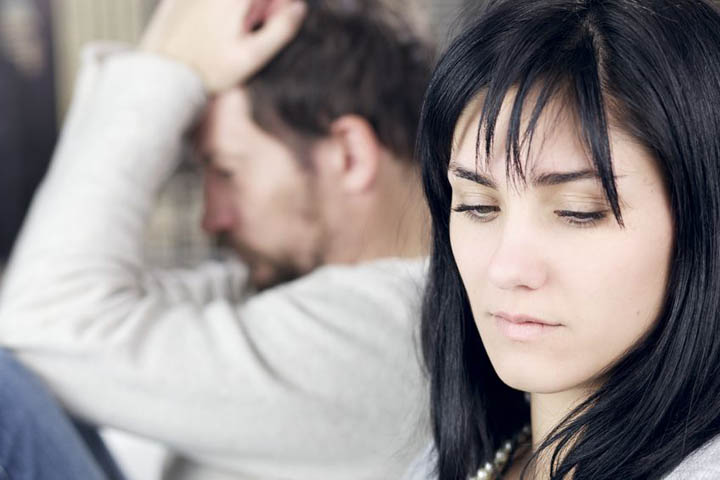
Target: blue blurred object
[[38, 441]]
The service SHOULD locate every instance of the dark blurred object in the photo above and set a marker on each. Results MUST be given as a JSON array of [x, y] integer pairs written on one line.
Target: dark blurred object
[[28, 127]]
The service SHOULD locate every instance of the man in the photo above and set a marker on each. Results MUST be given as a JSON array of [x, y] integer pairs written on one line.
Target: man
[[308, 175]]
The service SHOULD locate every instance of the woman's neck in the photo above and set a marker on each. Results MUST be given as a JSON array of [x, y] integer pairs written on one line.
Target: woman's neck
[[547, 410]]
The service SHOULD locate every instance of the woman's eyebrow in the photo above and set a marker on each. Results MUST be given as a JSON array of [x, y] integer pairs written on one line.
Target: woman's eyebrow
[[542, 180], [558, 178], [476, 177]]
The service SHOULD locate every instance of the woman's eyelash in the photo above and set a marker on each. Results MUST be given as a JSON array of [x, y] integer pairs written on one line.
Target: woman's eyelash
[[477, 212], [476, 208], [582, 219]]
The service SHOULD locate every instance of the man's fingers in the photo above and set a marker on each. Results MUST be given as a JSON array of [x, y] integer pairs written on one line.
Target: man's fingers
[[278, 30], [238, 37], [276, 5], [256, 15]]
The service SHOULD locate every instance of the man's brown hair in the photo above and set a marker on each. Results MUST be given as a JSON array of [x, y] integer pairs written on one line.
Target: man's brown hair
[[351, 57]]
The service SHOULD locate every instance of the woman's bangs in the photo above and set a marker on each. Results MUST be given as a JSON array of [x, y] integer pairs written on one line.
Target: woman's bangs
[[566, 82]]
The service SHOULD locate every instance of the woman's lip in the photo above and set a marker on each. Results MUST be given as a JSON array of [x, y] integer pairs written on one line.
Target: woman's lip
[[522, 319], [522, 328]]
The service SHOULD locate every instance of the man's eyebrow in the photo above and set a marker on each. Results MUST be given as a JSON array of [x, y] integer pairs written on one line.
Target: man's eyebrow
[[205, 159], [466, 174]]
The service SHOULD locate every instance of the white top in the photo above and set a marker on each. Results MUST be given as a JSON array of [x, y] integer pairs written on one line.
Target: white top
[[702, 464], [317, 379]]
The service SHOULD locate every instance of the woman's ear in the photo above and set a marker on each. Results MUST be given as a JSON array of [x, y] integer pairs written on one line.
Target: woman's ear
[[359, 153]]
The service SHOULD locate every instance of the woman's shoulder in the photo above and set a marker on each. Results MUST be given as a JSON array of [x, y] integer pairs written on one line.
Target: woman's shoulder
[[702, 464]]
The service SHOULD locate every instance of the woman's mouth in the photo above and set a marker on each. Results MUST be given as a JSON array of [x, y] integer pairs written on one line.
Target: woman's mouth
[[523, 328]]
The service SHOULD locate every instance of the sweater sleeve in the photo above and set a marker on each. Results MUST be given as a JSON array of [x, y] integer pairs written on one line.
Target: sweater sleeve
[[121, 141], [319, 372]]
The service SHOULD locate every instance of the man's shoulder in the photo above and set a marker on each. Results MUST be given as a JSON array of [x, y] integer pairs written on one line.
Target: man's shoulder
[[384, 267], [371, 278], [381, 289], [340, 319]]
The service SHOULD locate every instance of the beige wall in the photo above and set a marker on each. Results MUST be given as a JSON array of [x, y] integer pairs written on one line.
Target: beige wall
[[445, 15], [77, 22]]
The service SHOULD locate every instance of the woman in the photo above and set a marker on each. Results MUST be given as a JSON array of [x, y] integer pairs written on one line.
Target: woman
[[571, 154]]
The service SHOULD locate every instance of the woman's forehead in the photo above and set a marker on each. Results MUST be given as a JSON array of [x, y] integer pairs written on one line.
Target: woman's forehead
[[555, 144]]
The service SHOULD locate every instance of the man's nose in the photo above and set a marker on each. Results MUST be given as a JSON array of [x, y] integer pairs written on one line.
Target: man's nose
[[517, 261], [219, 215]]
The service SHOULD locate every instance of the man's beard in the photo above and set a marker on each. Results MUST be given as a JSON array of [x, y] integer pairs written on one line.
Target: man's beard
[[265, 271]]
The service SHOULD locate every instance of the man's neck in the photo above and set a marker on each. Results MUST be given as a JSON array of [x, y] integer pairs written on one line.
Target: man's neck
[[393, 224]]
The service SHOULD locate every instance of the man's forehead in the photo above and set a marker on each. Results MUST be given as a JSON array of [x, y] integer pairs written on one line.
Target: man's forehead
[[233, 102], [226, 121]]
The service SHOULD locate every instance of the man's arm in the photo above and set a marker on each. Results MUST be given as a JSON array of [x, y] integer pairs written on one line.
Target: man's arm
[[136, 131], [317, 375], [121, 141]]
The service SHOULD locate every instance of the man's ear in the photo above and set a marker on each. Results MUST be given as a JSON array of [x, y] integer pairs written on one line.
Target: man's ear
[[359, 153]]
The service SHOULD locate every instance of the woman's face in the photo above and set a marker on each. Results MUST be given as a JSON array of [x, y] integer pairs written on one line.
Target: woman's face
[[559, 290]]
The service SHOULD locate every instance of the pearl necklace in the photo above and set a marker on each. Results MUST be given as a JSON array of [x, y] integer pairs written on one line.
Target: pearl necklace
[[491, 471]]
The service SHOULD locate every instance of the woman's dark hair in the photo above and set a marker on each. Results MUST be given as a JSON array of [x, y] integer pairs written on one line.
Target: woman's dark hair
[[652, 69]]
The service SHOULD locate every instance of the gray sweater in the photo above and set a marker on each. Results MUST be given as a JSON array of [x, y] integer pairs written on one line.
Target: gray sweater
[[703, 464]]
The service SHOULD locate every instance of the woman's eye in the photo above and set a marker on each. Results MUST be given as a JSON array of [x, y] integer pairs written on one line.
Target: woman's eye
[[480, 213], [581, 219]]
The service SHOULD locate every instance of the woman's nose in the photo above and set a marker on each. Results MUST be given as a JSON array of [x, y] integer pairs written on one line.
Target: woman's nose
[[517, 261]]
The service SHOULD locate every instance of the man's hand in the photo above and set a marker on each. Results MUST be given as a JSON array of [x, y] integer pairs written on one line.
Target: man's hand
[[225, 41]]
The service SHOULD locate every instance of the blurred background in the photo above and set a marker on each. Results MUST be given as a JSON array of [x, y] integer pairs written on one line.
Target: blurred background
[[40, 45]]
